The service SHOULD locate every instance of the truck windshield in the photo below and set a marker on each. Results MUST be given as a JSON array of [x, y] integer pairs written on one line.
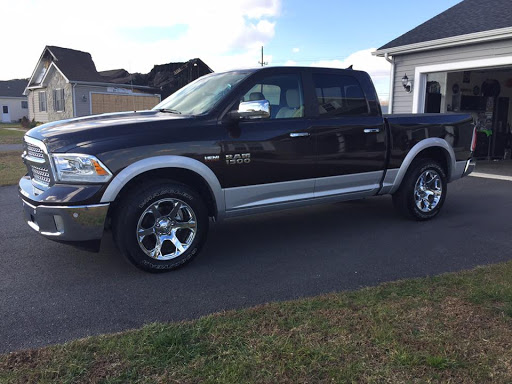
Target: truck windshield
[[201, 95]]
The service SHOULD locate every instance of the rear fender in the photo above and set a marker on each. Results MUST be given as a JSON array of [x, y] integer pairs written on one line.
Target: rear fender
[[394, 177]]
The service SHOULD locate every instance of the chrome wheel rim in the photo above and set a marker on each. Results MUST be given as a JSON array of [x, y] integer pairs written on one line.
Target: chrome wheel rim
[[428, 191], [166, 229]]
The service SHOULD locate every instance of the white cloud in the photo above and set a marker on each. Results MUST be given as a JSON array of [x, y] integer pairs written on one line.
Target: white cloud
[[290, 63], [377, 67], [296, 50], [225, 34]]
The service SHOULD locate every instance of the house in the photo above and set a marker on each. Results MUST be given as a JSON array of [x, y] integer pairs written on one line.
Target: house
[[13, 104], [458, 61], [65, 84], [168, 78]]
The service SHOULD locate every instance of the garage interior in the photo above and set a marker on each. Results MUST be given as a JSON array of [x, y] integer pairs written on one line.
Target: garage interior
[[487, 95]]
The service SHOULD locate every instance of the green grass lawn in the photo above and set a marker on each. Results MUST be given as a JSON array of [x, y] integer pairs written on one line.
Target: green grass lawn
[[9, 136], [455, 328], [11, 167]]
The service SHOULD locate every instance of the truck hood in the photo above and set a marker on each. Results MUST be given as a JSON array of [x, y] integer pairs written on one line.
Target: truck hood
[[63, 135]]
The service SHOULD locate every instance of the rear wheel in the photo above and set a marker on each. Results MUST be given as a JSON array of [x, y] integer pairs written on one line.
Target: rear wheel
[[161, 227], [423, 190]]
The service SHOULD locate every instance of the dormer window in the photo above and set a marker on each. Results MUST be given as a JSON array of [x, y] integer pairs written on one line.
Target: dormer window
[[41, 75]]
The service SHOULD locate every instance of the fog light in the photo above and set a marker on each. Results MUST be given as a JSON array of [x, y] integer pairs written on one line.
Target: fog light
[[59, 223]]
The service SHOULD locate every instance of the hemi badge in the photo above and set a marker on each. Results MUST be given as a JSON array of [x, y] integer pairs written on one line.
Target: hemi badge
[[212, 158]]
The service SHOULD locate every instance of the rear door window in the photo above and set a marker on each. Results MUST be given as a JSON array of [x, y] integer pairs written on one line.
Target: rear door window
[[339, 95]]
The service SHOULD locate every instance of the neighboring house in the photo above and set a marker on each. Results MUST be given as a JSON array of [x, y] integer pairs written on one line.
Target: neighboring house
[[13, 104], [65, 84], [458, 61], [166, 77]]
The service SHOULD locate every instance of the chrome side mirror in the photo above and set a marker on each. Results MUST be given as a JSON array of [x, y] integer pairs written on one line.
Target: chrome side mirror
[[258, 109]]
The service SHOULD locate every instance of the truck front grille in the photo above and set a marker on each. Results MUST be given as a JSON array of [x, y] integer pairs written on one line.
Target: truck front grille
[[34, 151], [40, 174], [37, 161]]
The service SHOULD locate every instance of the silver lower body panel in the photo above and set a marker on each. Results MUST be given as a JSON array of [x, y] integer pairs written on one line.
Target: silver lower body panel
[[74, 223]]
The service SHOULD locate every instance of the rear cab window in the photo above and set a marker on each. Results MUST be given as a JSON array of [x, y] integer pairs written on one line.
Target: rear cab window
[[339, 95]]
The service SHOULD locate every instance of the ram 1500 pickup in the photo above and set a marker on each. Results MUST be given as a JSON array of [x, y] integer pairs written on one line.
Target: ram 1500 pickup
[[232, 144]]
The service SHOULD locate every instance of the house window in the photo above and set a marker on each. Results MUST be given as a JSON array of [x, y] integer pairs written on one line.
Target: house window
[[58, 100], [24, 104], [5, 109], [42, 102]]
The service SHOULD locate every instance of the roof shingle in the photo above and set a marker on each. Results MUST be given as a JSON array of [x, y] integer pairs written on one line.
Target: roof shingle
[[75, 65], [469, 16], [13, 88]]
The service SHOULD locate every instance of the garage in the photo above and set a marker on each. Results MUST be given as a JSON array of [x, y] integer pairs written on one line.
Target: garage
[[459, 61], [486, 94], [108, 102]]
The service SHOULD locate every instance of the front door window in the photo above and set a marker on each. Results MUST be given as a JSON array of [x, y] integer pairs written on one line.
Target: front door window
[[284, 94]]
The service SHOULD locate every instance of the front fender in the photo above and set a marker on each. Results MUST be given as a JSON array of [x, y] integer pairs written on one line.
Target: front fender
[[160, 162]]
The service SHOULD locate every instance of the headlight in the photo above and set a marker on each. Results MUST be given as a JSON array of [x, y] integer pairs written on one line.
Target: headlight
[[80, 168]]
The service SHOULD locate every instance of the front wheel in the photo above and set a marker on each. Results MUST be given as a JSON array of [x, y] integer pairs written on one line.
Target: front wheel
[[161, 227], [423, 190]]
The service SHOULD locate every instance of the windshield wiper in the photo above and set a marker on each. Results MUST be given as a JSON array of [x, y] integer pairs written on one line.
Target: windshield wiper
[[170, 111]]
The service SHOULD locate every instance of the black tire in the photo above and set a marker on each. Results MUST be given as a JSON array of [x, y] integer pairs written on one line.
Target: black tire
[[404, 199], [129, 214]]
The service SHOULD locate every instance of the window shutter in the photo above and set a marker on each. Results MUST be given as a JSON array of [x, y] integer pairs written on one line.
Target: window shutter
[[55, 104], [63, 104]]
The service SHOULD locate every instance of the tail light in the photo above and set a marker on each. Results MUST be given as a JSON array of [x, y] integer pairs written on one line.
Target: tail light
[[473, 141]]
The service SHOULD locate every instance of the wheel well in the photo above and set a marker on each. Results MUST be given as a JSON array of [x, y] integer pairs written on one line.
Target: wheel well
[[180, 175], [438, 154]]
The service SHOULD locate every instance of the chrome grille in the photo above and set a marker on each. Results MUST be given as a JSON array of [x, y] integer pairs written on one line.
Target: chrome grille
[[40, 174], [37, 161], [34, 151]]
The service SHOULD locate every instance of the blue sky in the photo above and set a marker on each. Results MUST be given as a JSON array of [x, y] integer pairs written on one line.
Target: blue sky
[[225, 34], [339, 28]]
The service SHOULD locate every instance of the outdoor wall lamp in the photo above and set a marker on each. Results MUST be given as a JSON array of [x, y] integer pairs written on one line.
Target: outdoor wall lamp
[[84, 98], [407, 84]]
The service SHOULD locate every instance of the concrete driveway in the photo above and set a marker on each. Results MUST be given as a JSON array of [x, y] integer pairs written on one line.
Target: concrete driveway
[[50, 293]]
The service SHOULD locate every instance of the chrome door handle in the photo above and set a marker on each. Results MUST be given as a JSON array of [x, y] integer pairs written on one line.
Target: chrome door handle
[[299, 134], [372, 130]]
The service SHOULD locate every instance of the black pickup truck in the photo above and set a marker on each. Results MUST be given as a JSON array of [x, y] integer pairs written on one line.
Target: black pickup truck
[[232, 144]]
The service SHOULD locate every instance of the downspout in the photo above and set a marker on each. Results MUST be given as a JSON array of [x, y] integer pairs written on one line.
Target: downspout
[[74, 99], [391, 82]]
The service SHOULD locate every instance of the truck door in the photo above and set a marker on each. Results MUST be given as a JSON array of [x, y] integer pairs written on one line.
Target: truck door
[[271, 160], [350, 142]]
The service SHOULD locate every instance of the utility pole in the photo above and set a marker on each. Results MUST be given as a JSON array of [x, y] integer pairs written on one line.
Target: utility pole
[[262, 62]]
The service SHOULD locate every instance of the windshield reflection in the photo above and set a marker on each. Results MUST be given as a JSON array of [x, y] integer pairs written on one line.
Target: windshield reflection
[[202, 95]]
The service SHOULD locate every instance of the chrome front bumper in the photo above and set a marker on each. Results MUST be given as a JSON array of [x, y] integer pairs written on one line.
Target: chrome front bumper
[[63, 223]]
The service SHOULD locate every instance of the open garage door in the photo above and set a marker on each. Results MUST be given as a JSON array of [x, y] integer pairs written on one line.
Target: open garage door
[[105, 103]]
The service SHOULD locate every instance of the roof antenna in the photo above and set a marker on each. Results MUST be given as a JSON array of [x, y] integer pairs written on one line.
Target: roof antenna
[[351, 67]]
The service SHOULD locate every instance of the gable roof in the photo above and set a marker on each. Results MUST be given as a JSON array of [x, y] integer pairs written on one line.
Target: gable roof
[[13, 88], [465, 18], [75, 65]]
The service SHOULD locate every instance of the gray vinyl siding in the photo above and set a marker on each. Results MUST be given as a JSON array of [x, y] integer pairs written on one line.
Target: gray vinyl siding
[[406, 64], [83, 108]]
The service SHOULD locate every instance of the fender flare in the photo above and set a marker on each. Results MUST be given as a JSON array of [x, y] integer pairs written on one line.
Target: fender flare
[[160, 162], [433, 142]]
